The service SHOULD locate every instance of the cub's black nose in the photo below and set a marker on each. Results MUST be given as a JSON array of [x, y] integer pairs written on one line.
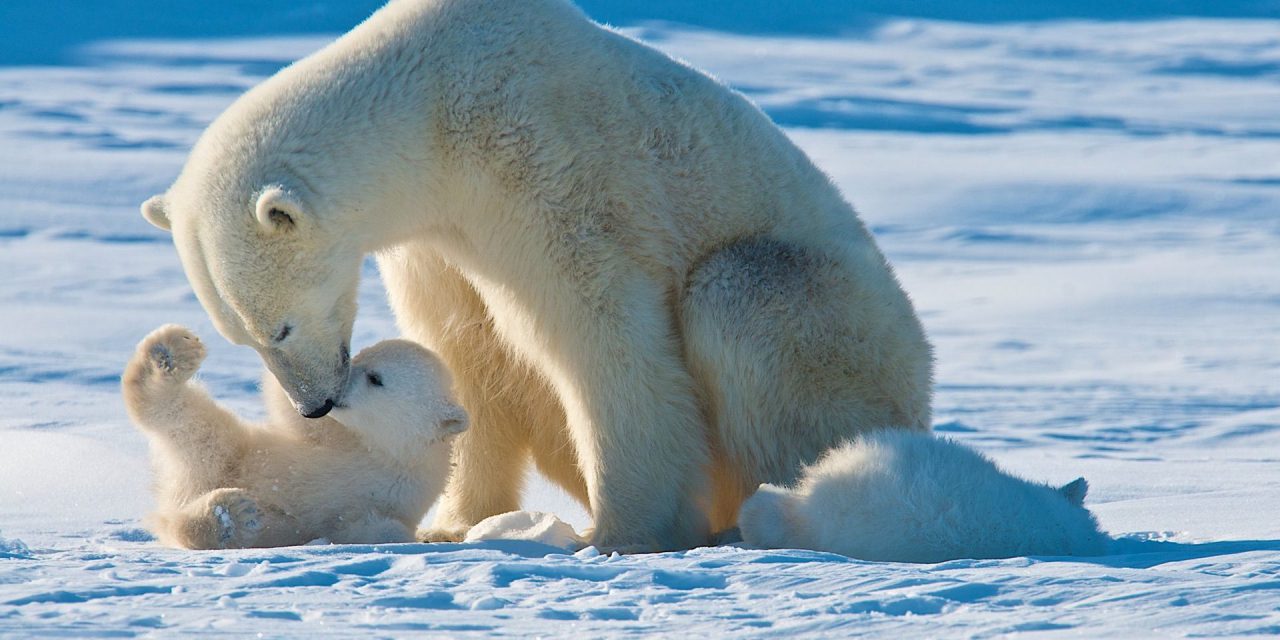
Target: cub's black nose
[[319, 412]]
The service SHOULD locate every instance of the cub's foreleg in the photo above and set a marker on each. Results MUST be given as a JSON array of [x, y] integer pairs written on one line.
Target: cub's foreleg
[[195, 442]]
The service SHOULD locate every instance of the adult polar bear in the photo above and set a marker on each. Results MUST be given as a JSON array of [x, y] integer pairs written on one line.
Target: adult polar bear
[[638, 281]]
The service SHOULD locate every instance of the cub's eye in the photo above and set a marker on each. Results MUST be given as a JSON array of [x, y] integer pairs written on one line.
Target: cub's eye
[[374, 379], [284, 333]]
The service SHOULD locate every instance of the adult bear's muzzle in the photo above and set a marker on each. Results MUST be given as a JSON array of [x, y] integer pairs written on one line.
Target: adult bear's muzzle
[[314, 390]]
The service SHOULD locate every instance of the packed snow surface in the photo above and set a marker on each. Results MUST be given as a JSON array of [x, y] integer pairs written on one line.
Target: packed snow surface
[[1086, 213]]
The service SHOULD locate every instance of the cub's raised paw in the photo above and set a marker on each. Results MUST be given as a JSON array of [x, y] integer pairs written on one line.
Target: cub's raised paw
[[234, 517], [173, 352]]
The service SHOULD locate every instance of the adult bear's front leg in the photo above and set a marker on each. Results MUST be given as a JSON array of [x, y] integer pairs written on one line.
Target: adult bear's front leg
[[639, 432], [438, 307]]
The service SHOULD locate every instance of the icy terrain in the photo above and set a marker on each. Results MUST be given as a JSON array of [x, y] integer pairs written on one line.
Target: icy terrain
[[1087, 214]]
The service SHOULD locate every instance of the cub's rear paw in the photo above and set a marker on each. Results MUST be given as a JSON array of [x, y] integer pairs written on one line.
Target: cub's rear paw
[[234, 518], [172, 352], [441, 535]]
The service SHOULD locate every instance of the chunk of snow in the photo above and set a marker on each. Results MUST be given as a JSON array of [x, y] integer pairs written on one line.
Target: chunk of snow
[[534, 526]]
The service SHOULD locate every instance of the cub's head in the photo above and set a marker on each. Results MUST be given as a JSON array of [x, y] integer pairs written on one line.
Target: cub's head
[[399, 398]]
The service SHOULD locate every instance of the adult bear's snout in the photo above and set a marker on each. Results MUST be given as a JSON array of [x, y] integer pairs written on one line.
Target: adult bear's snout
[[319, 412], [313, 390]]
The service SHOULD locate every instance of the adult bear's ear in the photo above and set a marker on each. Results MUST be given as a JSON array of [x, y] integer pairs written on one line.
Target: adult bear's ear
[[278, 210], [154, 211]]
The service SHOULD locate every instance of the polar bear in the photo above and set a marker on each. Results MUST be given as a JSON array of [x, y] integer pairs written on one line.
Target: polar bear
[[910, 497], [639, 282], [366, 474]]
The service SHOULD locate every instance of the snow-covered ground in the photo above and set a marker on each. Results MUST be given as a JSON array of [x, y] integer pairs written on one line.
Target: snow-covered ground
[[1087, 214]]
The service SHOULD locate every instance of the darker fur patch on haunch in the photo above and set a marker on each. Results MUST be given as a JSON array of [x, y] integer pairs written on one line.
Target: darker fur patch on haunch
[[757, 273]]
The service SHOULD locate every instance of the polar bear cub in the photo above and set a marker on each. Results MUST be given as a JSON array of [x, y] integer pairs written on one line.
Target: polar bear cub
[[904, 496], [365, 474]]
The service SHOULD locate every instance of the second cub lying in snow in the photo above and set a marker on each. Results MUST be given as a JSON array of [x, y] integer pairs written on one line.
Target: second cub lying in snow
[[365, 474], [906, 496]]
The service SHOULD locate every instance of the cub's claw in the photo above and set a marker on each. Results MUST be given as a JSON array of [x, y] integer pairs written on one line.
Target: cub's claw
[[172, 351], [235, 518]]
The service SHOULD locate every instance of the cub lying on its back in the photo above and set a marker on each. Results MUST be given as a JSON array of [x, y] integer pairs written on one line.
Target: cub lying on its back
[[366, 474], [905, 496]]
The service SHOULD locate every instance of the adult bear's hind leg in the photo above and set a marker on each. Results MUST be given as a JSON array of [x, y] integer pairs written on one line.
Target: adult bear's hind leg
[[795, 350]]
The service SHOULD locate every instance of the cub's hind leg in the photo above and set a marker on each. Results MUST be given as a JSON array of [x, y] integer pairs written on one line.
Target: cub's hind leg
[[220, 519]]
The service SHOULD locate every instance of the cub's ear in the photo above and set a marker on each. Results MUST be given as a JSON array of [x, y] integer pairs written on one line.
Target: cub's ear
[[154, 211], [278, 210], [1075, 491]]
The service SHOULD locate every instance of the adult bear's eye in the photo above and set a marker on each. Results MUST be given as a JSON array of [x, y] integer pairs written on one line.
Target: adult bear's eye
[[284, 333], [374, 379]]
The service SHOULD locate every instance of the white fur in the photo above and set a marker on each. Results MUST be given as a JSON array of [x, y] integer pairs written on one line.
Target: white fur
[[633, 274], [366, 475], [909, 497]]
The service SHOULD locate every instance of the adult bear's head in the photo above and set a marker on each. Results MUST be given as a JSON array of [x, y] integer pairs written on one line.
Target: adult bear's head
[[287, 191], [270, 259]]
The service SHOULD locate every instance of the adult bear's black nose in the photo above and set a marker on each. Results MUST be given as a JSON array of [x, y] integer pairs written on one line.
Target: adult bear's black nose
[[320, 411]]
